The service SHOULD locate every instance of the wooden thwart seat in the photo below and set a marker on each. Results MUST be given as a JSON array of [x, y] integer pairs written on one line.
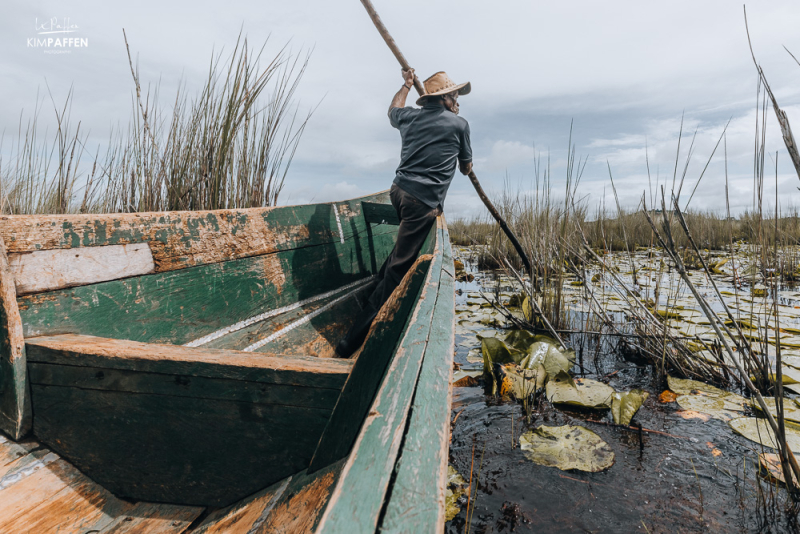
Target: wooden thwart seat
[[179, 424]]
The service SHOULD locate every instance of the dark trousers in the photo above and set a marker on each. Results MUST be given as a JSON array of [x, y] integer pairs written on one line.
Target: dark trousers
[[416, 219]]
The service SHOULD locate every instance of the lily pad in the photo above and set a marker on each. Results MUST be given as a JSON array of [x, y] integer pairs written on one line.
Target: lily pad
[[496, 351], [717, 407], [759, 431], [771, 463], [791, 411], [582, 392], [514, 380], [683, 386], [520, 339], [554, 362], [567, 447], [624, 405]]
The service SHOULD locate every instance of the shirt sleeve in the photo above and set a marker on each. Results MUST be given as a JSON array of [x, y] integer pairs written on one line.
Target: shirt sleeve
[[465, 152], [398, 116]]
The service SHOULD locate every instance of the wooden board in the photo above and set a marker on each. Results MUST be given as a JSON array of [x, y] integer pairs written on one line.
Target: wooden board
[[45, 270], [180, 450], [180, 306], [184, 239], [177, 424], [291, 506], [372, 359], [89, 351], [152, 518], [243, 516], [56, 498], [15, 407], [417, 499], [42, 493], [358, 499]]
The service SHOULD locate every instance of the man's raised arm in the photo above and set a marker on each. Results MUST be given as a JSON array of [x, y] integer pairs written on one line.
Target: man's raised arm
[[399, 100]]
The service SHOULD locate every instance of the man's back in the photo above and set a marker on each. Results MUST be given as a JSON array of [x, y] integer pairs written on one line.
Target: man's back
[[434, 140]]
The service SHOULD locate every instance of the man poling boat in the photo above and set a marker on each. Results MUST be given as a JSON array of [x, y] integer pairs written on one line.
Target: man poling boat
[[434, 138], [434, 141]]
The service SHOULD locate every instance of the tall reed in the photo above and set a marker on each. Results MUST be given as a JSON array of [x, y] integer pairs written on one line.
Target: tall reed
[[228, 146]]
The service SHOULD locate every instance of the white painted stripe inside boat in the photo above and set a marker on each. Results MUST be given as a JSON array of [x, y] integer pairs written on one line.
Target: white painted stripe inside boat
[[338, 224], [272, 313], [299, 322]]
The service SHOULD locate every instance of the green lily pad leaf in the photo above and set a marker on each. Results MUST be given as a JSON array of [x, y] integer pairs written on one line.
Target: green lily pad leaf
[[496, 351], [717, 407], [567, 447], [517, 381], [791, 410], [624, 405], [554, 362], [520, 340], [456, 487], [759, 431], [583, 392], [683, 386]]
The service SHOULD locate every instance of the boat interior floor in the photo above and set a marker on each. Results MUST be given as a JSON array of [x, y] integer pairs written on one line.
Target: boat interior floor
[[42, 492], [310, 327]]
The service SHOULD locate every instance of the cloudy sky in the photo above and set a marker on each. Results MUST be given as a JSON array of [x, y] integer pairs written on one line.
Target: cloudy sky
[[624, 73]]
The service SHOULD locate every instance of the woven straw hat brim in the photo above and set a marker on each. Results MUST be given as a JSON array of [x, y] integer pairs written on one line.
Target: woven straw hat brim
[[463, 89]]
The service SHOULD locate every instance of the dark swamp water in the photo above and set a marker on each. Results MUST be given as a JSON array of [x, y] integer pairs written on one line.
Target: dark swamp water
[[692, 475]]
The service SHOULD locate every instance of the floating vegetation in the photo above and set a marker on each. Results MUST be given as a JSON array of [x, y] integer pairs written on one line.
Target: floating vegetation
[[567, 447], [457, 487], [625, 405], [582, 392], [758, 431]]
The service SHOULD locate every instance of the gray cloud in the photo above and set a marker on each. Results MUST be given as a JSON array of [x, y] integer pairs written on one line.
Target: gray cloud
[[624, 72]]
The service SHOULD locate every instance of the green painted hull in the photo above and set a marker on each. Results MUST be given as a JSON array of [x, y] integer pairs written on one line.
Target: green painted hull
[[190, 362]]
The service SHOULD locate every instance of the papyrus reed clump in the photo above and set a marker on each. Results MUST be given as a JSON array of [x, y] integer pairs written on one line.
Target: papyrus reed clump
[[229, 145]]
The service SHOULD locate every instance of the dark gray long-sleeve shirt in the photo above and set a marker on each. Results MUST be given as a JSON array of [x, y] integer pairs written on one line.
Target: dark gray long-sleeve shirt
[[434, 140]]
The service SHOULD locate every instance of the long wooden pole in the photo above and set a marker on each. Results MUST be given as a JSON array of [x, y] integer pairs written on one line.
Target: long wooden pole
[[472, 177]]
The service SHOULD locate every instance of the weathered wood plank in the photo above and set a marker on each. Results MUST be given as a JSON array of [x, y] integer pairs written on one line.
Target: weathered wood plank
[[372, 360], [180, 306], [11, 451], [378, 213], [45, 270], [89, 351], [185, 239], [180, 450], [291, 506], [241, 517], [151, 518], [104, 379], [417, 498], [359, 495], [15, 407], [302, 504], [380, 345], [57, 498]]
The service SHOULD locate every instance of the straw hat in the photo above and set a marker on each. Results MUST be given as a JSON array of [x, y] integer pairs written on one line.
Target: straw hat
[[441, 84]]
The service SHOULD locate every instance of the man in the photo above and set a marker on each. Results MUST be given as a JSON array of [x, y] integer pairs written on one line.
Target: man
[[434, 139]]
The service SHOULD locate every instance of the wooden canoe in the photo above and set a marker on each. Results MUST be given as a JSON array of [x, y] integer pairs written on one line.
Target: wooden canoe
[[173, 372]]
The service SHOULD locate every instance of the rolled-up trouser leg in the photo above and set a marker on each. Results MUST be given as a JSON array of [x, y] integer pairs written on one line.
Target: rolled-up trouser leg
[[416, 220]]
